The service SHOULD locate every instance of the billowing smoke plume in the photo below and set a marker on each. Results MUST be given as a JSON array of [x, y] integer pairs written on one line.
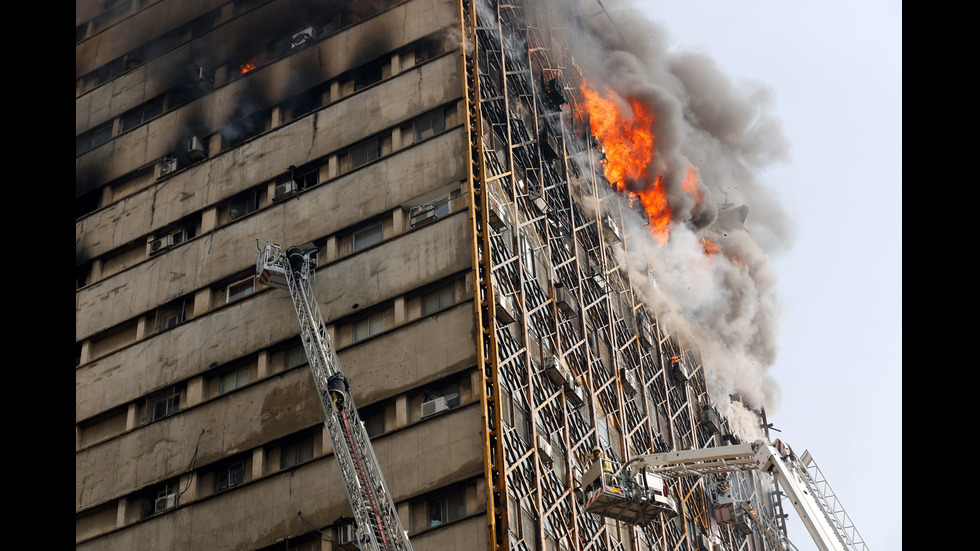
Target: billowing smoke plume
[[711, 280]]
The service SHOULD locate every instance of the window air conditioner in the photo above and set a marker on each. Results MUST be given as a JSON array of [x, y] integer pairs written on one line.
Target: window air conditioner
[[163, 503], [505, 310], [195, 148], [304, 36], [433, 407], [201, 75], [629, 381], [544, 449], [421, 214], [167, 166], [161, 244], [285, 190]]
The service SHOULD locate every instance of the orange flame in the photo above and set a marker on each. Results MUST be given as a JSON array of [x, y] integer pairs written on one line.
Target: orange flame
[[690, 184], [710, 247], [625, 131], [247, 65]]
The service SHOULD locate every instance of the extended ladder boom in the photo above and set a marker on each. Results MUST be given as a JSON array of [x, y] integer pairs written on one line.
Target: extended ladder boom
[[378, 525], [805, 486]]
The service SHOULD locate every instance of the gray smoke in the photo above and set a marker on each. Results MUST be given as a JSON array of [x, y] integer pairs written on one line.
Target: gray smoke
[[724, 302]]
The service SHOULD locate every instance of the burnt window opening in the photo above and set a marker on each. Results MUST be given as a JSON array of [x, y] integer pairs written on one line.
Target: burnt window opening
[[244, 128], [301, 104], [367, 74]]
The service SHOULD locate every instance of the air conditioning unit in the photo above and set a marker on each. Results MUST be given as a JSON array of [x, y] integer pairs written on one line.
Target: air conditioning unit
[[347, 535], [195, 148], [303, 37], [544, 449], [167, 165], [505, 310], [497, 217], [574, 393], [555, 370], [163, 503], [422, 214], [565, 299], [540, 204], [285, 190], [161, 244], [711, 419], [433, 407], [628, 379], [201, 75]]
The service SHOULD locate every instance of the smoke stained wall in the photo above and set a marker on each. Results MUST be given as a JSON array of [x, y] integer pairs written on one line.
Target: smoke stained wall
[[711, 281]]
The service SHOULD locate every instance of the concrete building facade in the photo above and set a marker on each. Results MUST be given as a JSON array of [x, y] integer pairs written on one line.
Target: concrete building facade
[[434, 152]]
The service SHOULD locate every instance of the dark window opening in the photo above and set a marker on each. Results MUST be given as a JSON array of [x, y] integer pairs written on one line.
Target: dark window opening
[[242, 204], [367, 75], [232, 475]]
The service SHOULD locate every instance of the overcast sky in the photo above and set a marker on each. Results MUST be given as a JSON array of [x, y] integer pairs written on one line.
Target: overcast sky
[[835, 69]]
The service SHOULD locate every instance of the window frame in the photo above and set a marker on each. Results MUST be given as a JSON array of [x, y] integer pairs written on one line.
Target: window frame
[[371, 235], [369, 149], [234, 376], [449, 507], [445, 296], [374, 324], [233, 474], [296, 452], [246, 291]]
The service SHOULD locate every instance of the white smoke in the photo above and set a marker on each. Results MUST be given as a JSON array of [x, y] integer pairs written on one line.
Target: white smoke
[[724, 302]]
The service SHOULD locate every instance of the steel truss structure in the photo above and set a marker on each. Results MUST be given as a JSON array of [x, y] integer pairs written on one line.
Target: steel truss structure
[[571, 358]]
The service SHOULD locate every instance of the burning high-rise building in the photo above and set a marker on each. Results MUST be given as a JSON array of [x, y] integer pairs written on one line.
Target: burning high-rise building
[[523, 257]]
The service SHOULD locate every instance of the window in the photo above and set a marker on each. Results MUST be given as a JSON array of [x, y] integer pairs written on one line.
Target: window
[[296, 452], [240, 289], [437, 299], [160, 499], [163, 404], [231, 475], [368, 327], [170, 315], [429, 125], [295, 356], [374, 421], [242, 204], [141, 114], [231, 381], [368, 236], [367, 75], [447, 508], [364, 153]]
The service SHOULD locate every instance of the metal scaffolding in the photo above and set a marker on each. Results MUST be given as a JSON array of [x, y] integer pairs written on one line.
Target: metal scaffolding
[[571, 358]]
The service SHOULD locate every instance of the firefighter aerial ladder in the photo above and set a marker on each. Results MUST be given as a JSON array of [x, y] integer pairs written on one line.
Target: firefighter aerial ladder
[[801, 479], [378, 525]]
